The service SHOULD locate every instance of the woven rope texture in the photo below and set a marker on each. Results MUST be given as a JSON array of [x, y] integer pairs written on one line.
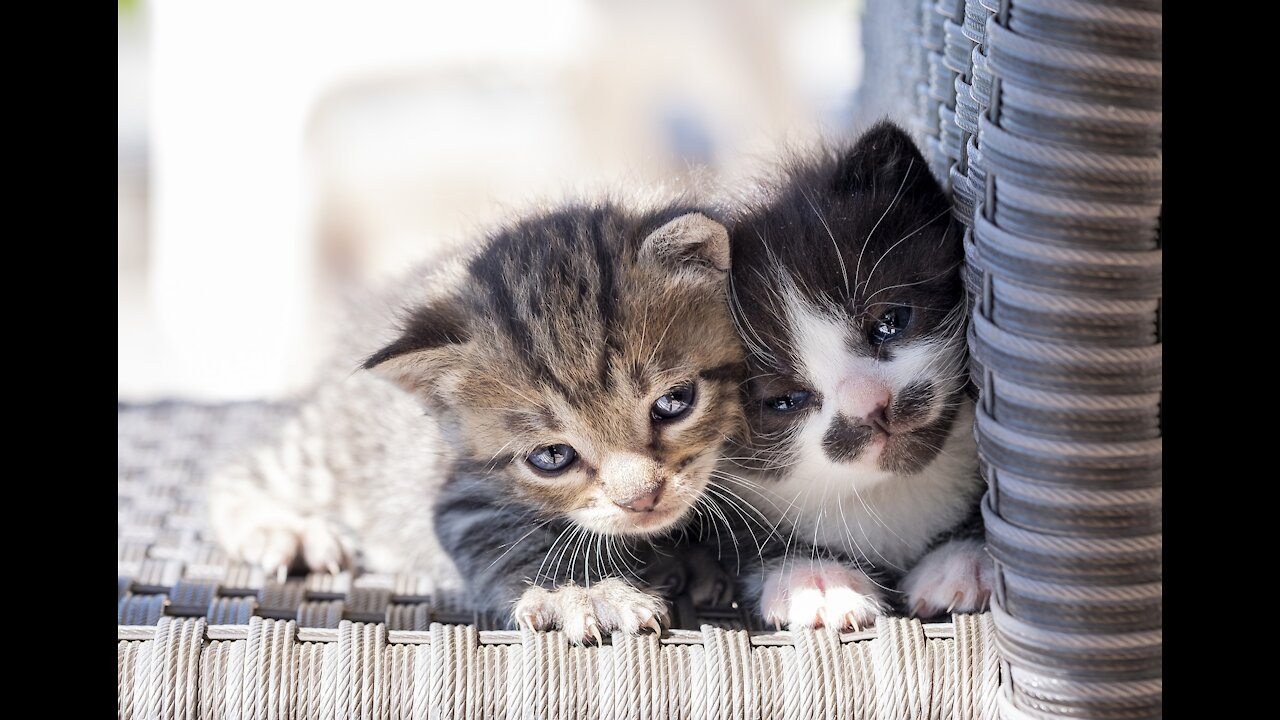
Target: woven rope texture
[[1045, 116], [200, 636]]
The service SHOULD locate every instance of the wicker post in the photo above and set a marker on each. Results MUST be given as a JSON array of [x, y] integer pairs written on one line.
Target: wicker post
[[1051, 138]]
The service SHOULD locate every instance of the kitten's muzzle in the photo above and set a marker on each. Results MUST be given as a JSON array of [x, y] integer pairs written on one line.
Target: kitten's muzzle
[[865, 402], [643, 503], [632, 482]]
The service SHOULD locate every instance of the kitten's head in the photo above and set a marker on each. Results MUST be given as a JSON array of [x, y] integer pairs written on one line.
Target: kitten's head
[[847, 291], [587, 365]]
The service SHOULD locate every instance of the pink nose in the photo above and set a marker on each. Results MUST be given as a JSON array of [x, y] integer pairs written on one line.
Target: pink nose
[[865, 399], [642, 503]]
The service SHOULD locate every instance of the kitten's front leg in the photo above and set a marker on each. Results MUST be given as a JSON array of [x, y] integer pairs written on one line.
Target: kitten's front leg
[[501, 551], [256, 527], [820, 593], [589, 612], [953, 577]]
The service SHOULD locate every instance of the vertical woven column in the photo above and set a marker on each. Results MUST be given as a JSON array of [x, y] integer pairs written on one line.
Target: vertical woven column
[[945, 58], [1058, 178]]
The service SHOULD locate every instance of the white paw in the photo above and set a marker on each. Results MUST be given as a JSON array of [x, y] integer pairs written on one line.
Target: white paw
[[275, 546], [583, 613], [821, 594], [954, 577]]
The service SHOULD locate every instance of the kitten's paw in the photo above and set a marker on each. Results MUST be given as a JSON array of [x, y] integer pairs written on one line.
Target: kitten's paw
[[821, 594], [954, 577], [276, 546], [592, 612]]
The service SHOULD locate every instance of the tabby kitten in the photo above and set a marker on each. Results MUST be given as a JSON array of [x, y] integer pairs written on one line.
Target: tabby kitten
[[545, 410], [847, 290]]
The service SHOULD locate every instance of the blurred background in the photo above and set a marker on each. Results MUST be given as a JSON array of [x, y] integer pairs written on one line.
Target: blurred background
[[273, 152]]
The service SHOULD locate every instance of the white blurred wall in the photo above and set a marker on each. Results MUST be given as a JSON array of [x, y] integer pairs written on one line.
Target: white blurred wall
[[286, 146]]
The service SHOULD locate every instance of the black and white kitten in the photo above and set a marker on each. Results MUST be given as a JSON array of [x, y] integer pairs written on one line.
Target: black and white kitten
[[847, 291]]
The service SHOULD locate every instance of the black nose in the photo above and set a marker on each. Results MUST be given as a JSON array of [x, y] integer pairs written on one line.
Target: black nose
[[644, 502]]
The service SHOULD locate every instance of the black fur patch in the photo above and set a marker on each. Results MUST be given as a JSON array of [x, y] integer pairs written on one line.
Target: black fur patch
[[909, 453], [912, 402], [845, 439], [860, 232], [856, 232]]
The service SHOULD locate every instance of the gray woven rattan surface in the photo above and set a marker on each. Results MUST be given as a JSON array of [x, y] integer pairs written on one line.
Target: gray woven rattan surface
[[1048, 126]]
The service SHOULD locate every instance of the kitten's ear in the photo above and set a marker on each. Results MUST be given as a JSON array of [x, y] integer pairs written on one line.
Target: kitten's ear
[[692, 245], [430, 344], [886, 160]]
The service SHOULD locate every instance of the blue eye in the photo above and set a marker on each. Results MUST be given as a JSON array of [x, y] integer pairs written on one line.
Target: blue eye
[[675, 403], [553, 458], [790, 401], [889, 326]]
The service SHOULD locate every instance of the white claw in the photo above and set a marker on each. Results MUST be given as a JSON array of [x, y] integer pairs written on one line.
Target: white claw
[[607, 606], [593, 630], [954, 577], [276, 544], [652, 623]]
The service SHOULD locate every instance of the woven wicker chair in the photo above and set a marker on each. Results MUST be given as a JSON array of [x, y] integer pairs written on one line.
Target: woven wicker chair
[[1045, 116]]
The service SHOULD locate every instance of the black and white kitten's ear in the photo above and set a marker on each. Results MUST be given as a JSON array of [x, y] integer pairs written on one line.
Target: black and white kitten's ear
[[691, 246], [430, 345], [885, 160]]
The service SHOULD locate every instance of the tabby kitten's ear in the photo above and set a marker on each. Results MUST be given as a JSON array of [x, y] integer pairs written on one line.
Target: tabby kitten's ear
[[691, 247], [430, 344]]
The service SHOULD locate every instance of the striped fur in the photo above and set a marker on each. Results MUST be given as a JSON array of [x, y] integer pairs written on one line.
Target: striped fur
[[562, 328]]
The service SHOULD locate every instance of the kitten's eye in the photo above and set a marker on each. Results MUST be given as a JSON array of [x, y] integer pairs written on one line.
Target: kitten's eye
[[790, 402], [553, 458], [675, 403], [889, 325]]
